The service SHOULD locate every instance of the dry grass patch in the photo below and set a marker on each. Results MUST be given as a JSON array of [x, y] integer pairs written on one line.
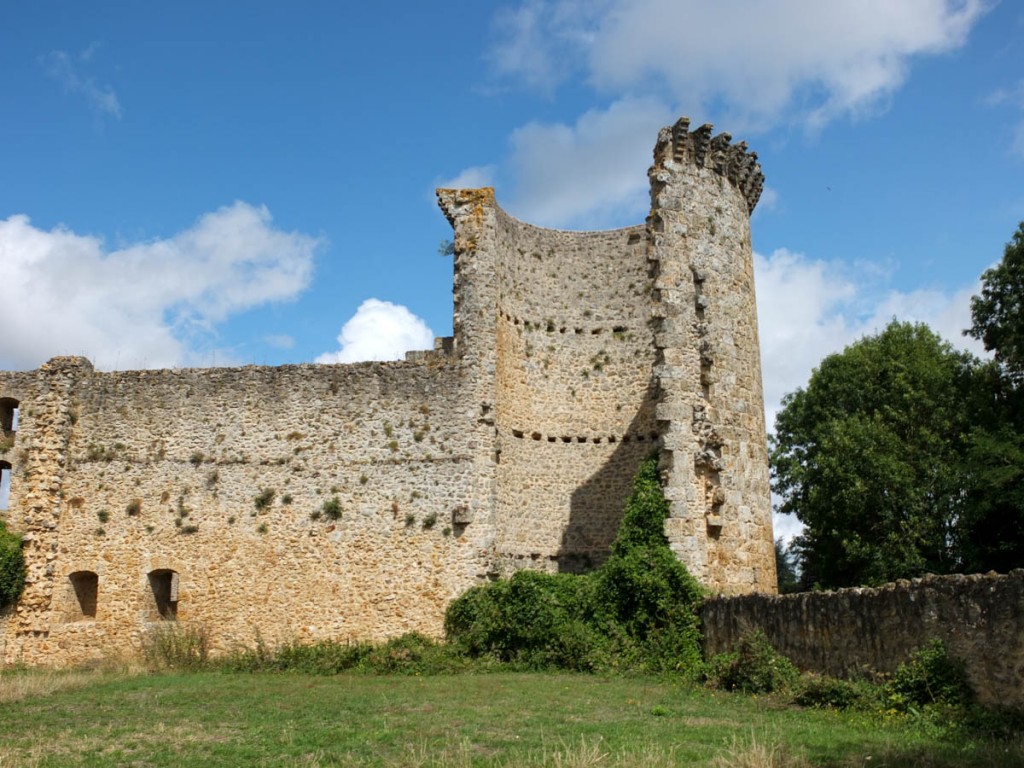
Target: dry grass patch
[[19, 684]]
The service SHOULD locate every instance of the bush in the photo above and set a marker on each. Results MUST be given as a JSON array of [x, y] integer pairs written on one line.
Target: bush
[[753, 667], [929, 677], [831, 693], [533, 619], [639, 609], [12, 567]]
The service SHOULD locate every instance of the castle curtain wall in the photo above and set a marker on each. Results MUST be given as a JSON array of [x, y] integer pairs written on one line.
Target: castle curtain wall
[[217, 475]]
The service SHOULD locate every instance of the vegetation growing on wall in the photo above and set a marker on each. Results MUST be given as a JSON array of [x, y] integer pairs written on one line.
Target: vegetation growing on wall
[[638, 610], [12, 567]]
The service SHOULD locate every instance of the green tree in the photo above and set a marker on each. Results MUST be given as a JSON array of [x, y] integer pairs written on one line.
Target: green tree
[[868, 458], [991, 535], [998, 313]]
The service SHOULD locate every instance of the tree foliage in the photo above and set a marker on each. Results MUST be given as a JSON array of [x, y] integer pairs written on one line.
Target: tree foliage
[[867, 457], [12, 567], [998, 313]]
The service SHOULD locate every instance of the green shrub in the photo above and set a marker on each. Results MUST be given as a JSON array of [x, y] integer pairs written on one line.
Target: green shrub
[[535, 620], [754, 666], [639, 609], [831, 693], [12, 567], [930, 676]]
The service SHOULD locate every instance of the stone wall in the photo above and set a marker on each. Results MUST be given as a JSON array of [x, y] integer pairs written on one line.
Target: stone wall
[[221, 476], [574, 385], [574, 356], [980, 618]]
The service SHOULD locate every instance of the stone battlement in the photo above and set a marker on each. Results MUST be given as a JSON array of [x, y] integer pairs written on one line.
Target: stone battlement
[[732, 161]]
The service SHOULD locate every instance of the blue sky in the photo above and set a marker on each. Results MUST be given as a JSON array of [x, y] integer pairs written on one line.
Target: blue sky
[[213, 183]]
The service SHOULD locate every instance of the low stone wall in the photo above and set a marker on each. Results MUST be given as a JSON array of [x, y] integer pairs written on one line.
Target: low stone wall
[[980, 618]]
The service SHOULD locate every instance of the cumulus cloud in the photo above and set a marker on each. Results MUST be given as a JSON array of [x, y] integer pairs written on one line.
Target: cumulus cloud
[[591, 171], [67, 70], [142, 305], [753, 60], [750, 64], [809, 308], [379, 330]]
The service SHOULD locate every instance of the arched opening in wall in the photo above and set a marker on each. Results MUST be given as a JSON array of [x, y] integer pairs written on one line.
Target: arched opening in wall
[[86, 588], [5, 485], [164, 584]]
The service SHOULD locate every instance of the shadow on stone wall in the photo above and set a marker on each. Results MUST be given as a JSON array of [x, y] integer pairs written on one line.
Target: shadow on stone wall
[[596, 507]]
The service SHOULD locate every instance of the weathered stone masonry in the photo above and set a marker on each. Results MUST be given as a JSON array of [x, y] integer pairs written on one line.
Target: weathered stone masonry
[[199, 494]]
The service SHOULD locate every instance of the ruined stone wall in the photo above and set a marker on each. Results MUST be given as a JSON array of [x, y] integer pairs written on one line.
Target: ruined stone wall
[[574, 388], [844, 633], [574, 356], [130, 473]]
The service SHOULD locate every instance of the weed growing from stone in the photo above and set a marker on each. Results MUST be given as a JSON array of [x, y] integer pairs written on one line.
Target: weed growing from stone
[[332, 508], [264, 499]]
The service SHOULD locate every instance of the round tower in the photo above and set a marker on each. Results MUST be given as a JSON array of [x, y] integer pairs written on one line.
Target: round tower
[[710, 406]]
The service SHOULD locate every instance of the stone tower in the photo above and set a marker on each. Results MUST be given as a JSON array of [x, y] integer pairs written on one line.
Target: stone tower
[[710, 403], [593, 349]]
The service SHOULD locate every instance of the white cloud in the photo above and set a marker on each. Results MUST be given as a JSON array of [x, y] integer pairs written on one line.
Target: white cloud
[[587, 172], [474, 177], [66, 70], [141, 305], [379, 330], [808, 309], [754, 61]]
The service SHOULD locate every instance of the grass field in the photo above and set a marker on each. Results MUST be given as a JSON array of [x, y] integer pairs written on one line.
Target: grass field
[[220, 718]]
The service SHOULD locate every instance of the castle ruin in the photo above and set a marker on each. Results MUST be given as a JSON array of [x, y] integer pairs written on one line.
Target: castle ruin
[[354, 502]]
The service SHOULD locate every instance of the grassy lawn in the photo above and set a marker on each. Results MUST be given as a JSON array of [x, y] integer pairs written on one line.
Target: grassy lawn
[[501, 719]]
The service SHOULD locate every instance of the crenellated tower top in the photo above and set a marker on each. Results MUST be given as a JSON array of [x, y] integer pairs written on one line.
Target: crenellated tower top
[[680, 145]]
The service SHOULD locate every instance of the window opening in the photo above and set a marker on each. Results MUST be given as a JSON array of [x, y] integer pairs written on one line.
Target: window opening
[[5, 485], [8, 415], [86, 586], [164, 584]]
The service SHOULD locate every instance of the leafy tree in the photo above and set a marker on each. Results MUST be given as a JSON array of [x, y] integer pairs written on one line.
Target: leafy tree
[[991, 535], [998, 313], [868, 458]]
